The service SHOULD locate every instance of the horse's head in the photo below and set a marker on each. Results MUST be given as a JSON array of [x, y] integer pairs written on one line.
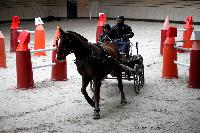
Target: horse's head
[[63, 43]]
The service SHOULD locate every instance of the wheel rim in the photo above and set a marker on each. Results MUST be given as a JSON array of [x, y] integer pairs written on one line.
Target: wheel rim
[[136, 84]]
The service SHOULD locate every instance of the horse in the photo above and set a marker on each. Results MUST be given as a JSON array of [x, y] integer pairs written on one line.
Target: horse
[[93, 63]]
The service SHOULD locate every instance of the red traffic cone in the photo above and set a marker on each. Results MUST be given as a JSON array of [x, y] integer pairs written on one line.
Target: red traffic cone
[[2, 51], [170, 69], [189, 21], [188, 32], [23, 62], [59, 71], [101, 22], [15, 22], [102, 17], [194, 71], [163, 34], [14, 33]]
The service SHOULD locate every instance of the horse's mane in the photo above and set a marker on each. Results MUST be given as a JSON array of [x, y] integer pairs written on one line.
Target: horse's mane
[[78, 35]]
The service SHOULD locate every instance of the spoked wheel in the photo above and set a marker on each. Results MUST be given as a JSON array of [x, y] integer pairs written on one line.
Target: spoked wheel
[[91, 86], [142, 80], [136, 84]]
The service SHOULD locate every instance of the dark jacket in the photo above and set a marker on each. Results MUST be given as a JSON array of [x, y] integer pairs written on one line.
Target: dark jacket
[[118, 32], [104, 37]]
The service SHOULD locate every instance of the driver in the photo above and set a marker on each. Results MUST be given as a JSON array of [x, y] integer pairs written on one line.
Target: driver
[[120, 34]]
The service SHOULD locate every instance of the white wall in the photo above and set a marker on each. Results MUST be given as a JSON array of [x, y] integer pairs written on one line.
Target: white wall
[[138, 9], [29, 9], [177, 10]]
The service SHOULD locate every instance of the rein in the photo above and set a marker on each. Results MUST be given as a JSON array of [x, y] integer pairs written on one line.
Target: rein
[[93, 58], [96, 53]]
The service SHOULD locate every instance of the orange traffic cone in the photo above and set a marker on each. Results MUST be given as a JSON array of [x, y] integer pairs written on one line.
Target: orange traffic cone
[[59, 71], [56, 36], [170, 69], [163, 34], [101, 22], [39, 40], [188, 32], [2, 51], [23, 62], [166, 23]]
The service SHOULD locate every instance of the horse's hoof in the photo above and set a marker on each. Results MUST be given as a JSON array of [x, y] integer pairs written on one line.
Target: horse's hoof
[[123, 102], [96, 116]]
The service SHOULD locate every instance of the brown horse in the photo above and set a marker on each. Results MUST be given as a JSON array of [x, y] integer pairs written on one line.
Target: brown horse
[[93, 64]]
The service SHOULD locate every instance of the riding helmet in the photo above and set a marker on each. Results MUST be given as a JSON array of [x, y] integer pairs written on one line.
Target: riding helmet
[[121, 18], [106, 26]]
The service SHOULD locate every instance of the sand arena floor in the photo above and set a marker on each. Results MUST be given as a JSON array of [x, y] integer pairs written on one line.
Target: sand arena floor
[[163, 105]]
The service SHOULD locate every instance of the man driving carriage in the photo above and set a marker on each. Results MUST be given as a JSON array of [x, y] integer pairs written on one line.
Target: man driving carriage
[[120, 34]]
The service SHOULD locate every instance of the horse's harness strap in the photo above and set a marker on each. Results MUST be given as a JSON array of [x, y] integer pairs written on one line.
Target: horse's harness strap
[[94, 58], [65, 41]]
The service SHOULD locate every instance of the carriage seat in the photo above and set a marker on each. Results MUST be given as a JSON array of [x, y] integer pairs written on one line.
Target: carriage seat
[[123, 46]]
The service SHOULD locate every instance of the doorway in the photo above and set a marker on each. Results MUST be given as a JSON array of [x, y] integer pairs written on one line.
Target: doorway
[[71, 9]]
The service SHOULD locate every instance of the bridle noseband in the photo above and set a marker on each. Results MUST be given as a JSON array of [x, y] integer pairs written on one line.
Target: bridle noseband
[[64, 42]]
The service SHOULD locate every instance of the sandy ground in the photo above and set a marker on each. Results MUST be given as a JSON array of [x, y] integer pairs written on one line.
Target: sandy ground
[[163, 105]]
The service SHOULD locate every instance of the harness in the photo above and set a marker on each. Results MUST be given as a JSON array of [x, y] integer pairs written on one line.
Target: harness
[[97, 55], [93, 58]]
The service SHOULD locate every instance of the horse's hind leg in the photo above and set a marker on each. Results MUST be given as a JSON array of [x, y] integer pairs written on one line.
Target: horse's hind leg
[[97, 85], [85, 82], [120, 85]]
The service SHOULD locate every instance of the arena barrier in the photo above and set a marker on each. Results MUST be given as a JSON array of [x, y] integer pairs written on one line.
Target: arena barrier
[[41, 50], [181, 49], [33, 32], [24, 65], [170, 62], [39, 42], [187, 32], [2, 51]]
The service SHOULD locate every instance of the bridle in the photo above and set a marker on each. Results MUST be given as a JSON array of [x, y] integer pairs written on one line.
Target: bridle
[[64, 48]]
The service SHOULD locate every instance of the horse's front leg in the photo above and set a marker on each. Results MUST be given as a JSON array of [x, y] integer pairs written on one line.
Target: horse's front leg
[[85, 82], [120, 86], [97, 85]]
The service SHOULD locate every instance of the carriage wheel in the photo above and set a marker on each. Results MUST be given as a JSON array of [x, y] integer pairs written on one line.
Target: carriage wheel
[[91, 86], [136, 84], [142, 80]]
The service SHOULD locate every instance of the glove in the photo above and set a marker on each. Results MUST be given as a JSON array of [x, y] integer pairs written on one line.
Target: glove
[[125, 36], [105, 37]]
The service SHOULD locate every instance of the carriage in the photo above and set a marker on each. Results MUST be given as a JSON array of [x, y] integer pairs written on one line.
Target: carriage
[[130, 61]]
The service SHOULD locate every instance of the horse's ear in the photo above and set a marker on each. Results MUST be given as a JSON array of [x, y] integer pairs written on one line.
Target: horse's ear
[[61, 31]]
